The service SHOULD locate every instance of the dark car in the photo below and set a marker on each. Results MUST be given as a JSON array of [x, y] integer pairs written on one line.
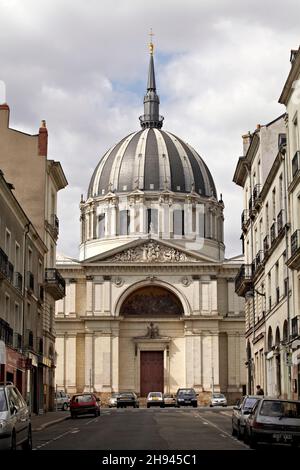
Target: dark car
[[241, 412], [125, 399], [275, 421], [186, 397], [84, 403], [15, 424]]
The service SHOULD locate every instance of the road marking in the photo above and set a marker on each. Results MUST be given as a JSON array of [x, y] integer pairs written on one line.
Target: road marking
[[92, 421], [223, 432]]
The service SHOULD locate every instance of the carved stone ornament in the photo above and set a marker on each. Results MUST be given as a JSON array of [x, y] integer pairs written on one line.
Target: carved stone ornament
[[152, 331], [151, 252], [118, 281], [185, 281]]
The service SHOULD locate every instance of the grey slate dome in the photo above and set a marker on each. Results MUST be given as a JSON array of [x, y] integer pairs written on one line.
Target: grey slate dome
[[151, 159]]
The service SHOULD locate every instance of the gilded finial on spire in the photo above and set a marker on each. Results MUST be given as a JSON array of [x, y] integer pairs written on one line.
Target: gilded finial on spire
[[151, 45]]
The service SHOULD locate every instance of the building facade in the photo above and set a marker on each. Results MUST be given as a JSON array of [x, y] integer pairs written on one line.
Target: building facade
[[264, 278], [22, 255], [150, 304], [290, 98], [37, 179], [269, 173]]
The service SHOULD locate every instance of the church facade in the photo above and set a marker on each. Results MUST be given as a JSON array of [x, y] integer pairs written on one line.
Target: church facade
[[150, 303]]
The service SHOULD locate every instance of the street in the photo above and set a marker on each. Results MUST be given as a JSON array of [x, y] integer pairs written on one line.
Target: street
[[143, 429]]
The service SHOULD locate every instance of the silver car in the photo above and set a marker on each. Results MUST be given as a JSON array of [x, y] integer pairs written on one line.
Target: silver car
[[112, 402], [241, 412], [61, 400], [274, 421], [218, 399], [15, 424]]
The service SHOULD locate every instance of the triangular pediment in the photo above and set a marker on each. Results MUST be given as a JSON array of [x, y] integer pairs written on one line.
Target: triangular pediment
[[149, 251]]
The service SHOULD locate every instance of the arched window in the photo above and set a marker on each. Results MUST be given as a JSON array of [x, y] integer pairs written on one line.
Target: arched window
[[270, 339], [285, 331], [151, 301], [277, 337]]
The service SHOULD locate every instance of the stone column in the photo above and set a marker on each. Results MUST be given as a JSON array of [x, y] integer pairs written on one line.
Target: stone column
[[89, 296], [89, 362], [70, 362]]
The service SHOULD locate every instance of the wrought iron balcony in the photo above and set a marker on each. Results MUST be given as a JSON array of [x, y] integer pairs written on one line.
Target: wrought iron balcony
[[280, 222], [243, 280], [245, 219], [54, 283], [296, 164], [294, 260], [18, 281], [273, 233], [30, 281], [6, 333], [266, 244], [256, 194], [55, 222], [10, 272], [3, 264], [295, 326], [17, 341]]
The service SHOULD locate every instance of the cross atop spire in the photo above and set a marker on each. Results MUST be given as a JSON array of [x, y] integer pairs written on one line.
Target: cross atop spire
[[151, 45], [151, 117]]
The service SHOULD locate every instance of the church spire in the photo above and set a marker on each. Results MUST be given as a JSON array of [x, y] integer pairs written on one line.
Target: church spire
[[151, 117]]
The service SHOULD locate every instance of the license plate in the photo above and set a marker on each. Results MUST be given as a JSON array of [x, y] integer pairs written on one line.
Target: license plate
[[282, 437], [154, 398]]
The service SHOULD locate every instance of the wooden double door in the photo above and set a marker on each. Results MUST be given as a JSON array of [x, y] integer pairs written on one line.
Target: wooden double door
[[152, 372]]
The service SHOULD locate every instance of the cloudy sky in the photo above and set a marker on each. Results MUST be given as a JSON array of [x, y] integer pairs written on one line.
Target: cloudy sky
[[82, 66]]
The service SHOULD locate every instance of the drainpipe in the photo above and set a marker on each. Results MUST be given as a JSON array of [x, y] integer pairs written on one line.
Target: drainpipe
[[251, 364], [26, 231], [286, 208]]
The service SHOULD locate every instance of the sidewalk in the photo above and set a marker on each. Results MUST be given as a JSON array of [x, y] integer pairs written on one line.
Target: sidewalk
[[40, 422]]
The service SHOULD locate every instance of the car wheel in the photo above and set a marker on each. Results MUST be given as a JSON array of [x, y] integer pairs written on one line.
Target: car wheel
[[233, 431], [195, 405], [252, 442], [65, 406], [13, 445], [27, 445], [148, 406]]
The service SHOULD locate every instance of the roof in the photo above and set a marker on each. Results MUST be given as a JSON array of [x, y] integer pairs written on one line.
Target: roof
[[151, 160]]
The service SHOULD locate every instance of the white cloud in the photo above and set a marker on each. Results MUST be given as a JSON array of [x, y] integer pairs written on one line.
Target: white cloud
[[220, 66]]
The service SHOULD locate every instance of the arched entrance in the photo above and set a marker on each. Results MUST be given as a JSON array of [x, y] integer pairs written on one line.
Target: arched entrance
[[150, 314]]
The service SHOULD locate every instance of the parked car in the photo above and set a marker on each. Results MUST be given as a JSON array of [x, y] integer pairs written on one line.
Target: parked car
[[113, 400], [155, 399], [169, 399], [186, 397], [241, 412], [15, 424], [127, 399], [61, 400], [84, 403], [273, 420], [218, 399]]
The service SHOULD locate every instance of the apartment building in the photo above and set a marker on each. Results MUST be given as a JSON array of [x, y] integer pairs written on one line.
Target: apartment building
[[37, 179], [264, 279], [22, 254], [290, 97]]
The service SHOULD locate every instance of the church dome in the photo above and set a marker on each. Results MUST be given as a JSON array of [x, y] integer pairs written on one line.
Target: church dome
[[152, 160]]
